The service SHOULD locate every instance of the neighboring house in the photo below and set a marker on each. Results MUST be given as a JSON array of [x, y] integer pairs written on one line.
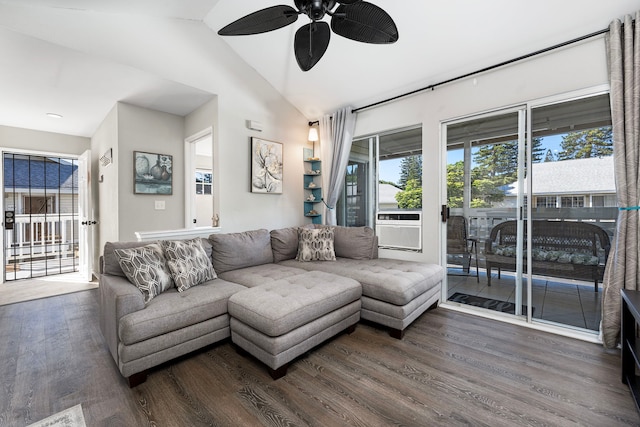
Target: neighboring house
[[387, 197], [570, 184], [42, 192]]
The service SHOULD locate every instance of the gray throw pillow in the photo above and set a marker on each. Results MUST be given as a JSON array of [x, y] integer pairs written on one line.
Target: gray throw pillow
[[188, 263], [146, 268], [315, 245], [284, 242]]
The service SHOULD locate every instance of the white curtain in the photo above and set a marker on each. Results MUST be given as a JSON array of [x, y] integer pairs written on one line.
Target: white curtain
[[623, 49], [336, 135]]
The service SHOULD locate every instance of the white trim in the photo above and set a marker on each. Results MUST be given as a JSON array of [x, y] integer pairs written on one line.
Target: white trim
[[190, 166], [570, 96], [183, 233]]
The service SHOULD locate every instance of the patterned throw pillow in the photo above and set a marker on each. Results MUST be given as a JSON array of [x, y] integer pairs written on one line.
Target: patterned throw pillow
[[188, 262], [146, 268], [315, 244]]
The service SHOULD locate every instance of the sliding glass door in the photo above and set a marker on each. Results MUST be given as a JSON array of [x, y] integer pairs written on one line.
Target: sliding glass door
[[485, 172], [573, 208], [531, 202]]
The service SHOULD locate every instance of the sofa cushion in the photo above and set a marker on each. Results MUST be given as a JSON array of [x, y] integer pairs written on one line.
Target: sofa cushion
[[260, 274], [173, 310], [188, 262], [146, 268], [354, 242], [231, 251], [316, 245], [395, 281], [284, 242]]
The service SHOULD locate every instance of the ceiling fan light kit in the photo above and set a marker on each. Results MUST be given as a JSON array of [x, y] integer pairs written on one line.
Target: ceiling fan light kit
[[353, 19]]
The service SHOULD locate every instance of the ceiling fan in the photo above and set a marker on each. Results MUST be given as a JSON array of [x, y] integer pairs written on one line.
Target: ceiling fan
[[354, 19]]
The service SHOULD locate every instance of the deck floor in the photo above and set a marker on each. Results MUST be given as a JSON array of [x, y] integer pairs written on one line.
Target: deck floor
[[568, 302]]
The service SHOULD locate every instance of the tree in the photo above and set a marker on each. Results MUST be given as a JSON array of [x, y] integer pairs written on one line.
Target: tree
[[455, 184], [537, 151], [410, 168], [587, 143], [549, 157], [497, 166], [411, 196]]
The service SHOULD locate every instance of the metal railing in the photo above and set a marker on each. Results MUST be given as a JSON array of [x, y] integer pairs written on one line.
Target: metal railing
[[481, 221], [40, 237]]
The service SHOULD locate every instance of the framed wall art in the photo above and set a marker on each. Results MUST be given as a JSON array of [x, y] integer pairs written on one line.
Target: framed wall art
[[152, 173], [266, 166]]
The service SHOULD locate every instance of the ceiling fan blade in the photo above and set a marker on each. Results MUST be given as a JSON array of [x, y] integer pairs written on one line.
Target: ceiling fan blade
[[348, 1], [311, 42], [262, 21], [364, 22]]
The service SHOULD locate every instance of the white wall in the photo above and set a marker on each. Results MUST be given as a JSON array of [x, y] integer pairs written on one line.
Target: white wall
[[141, 129], [571, 68], [130, 128], [43, 142]]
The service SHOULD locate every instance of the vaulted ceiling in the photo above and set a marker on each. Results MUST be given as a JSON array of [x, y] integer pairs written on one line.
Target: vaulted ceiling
[[78, 58]]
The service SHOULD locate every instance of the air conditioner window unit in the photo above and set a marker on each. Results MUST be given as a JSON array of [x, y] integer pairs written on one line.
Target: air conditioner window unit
[[399, 229]]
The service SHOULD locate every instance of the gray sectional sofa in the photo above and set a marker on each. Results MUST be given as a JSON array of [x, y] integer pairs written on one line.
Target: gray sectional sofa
[[272, 305]]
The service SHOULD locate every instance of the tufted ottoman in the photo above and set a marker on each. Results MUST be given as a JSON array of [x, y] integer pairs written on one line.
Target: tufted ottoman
[[394, 292], [281, 320]]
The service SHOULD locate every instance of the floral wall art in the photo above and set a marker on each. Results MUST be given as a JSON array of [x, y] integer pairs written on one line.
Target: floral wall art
[[266, 166], [152, 173]]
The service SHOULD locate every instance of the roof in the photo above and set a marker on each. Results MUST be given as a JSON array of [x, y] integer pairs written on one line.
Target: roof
[[578, 176], [387, 194], [34, 172]]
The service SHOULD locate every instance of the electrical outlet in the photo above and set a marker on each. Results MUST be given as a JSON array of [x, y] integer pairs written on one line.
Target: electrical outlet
[[159, 205]]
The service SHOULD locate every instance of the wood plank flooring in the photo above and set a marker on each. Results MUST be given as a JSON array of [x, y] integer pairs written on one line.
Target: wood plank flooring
[[451, 369]]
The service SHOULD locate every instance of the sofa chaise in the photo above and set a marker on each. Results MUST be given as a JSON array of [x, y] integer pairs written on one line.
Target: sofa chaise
[[273, 295]]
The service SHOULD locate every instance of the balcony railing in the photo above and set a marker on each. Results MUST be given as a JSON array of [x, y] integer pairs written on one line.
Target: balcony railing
[[481, 221], [37, 237]]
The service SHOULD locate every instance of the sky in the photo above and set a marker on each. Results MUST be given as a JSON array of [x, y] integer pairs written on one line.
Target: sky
[[389, 170]]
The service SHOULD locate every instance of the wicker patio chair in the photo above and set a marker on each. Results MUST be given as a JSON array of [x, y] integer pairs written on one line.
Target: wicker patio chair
[[459, 244]]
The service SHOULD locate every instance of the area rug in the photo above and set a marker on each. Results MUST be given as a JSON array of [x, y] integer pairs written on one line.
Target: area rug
[[489, 303], [72, 417]]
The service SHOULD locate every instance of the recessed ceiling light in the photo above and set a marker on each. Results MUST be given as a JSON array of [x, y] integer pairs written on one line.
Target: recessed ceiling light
[[54, 115]]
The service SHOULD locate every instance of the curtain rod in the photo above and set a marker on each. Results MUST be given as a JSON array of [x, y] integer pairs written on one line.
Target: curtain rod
[[492, 67]]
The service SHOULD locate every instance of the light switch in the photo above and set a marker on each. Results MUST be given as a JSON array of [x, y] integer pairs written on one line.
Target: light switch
[[159, 205]]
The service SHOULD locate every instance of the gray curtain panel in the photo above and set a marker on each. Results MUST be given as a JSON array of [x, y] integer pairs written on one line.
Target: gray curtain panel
[[336, 135], [623, 49]]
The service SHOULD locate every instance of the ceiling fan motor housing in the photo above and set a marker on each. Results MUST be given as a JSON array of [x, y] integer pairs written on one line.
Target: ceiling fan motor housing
[[315, 9]]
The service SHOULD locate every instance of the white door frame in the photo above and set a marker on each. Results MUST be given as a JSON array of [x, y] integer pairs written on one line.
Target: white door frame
[[190, 167], [3, 151]]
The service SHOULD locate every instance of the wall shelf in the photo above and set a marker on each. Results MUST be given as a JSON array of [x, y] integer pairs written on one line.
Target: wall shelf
[[313, 193]]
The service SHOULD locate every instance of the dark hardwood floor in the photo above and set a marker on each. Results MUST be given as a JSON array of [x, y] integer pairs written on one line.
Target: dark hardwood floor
[[450, 369]]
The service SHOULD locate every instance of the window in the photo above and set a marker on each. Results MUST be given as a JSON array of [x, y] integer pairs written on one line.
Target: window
[[546, 202], [204, 181], [384, 174], [572, 202]]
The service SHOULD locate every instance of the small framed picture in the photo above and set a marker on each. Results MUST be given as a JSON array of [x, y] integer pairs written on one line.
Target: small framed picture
[[266, 166], [152, 173]]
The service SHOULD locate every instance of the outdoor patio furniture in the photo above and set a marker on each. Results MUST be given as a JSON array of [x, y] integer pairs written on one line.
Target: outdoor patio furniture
[[460, 244], [565, 249]]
